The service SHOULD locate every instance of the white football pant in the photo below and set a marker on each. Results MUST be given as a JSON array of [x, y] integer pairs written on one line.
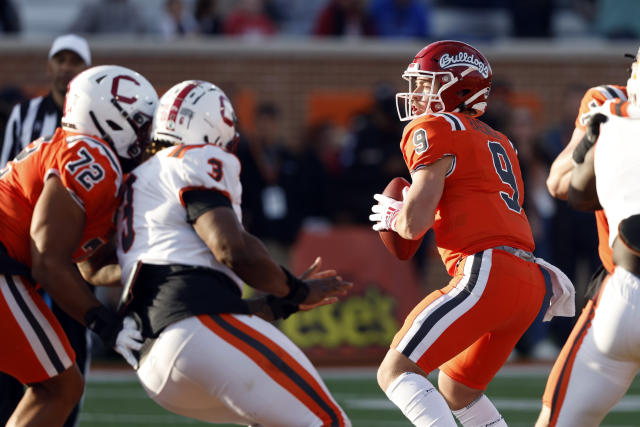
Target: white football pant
[[236, 369]]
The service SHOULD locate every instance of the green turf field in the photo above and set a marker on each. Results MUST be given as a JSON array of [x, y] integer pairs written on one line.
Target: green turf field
[[116, 399]]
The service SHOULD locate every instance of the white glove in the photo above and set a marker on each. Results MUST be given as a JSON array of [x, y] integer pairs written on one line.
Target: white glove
[[129, 339], [385, 212]]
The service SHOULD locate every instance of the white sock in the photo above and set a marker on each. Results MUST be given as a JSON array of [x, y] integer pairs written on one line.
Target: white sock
[[480, 413], [419, 401]]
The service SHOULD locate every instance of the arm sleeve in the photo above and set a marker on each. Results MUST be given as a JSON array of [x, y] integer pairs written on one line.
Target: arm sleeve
[[199, 201]]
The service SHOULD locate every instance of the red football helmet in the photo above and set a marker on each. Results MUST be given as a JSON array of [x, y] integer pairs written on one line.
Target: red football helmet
[[446, 76]]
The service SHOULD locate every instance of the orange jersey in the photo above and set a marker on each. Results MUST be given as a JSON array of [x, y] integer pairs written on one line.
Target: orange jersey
[[481, 206], [592, 98], [86, 166]]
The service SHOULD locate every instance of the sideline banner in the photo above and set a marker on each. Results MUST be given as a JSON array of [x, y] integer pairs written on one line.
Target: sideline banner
[[359, 328]]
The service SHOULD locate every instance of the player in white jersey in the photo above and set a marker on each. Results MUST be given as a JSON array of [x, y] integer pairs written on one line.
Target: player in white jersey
[[185, 256], [607, 175]]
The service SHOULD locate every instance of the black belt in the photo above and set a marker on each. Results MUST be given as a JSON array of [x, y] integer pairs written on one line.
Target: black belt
[[12, 267]]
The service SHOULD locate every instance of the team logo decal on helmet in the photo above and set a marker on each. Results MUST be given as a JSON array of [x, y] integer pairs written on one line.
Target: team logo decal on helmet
[[462, 59]]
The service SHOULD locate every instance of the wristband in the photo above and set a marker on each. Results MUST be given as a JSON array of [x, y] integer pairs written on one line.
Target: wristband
[[104, 322], [280, 307], [580, 151], [590, 137], [298, 289]]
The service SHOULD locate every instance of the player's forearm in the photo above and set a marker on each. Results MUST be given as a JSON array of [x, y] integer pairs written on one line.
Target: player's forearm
[[582, 191], [560, 173], [106, 275], [412, 227], [560, 177], [65, 285], [253, 264]]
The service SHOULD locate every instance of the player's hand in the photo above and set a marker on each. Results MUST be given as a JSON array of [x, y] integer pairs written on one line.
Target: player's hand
[[325, 289], [314, 272], [129, 341], [386, 211]]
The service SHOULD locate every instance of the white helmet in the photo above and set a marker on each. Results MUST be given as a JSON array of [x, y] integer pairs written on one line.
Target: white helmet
[[195, 112], [115, 104], [633, 83]]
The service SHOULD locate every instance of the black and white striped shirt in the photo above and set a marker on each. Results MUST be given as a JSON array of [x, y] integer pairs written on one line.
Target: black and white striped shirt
[[29, 121]]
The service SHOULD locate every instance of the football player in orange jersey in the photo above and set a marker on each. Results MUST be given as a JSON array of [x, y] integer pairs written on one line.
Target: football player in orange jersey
[[466, 184], [564, 371], [57, 203], [606, 177]]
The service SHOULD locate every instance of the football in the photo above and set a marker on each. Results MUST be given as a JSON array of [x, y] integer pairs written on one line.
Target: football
[[402, 248]]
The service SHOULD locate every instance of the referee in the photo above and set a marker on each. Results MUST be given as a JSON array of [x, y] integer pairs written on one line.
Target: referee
[[40, 116], [29, 120]]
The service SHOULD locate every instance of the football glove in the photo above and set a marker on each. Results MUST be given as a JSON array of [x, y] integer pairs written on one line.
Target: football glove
[[385, 212], [129, 341]]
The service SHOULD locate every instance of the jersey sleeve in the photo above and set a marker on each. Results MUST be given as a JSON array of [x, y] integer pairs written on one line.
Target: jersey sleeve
[[92, 175], [211, 168], [426, 141], [594, 97]]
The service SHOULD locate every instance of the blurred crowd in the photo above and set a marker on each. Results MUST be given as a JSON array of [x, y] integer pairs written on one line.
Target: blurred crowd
[[258, 19]]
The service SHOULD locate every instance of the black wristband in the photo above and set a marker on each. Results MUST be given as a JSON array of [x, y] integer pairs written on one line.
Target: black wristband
[[590, 137], [580, 151], [280, 307], [298, 289], [105, 323]]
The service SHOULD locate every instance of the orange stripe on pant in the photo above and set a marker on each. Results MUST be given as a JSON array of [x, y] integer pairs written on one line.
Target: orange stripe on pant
[[560, 375], [274, 371]]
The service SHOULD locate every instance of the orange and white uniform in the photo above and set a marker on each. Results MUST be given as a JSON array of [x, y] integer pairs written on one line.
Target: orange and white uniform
[[89, 170], [469, 327], [595, 97], [560, 389]]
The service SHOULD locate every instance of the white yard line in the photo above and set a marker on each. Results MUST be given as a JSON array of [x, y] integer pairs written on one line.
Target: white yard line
[[629, 403], [99, 374]]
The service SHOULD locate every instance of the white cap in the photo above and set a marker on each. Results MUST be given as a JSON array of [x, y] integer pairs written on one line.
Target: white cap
[[73, 43]]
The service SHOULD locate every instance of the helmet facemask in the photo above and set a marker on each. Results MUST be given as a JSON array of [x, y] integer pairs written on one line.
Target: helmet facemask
[[140, 124], [443, 81], [417, 103]]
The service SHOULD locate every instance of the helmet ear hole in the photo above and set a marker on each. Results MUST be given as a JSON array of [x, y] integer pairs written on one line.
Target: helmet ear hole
[[464, 92], [113, 125]]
